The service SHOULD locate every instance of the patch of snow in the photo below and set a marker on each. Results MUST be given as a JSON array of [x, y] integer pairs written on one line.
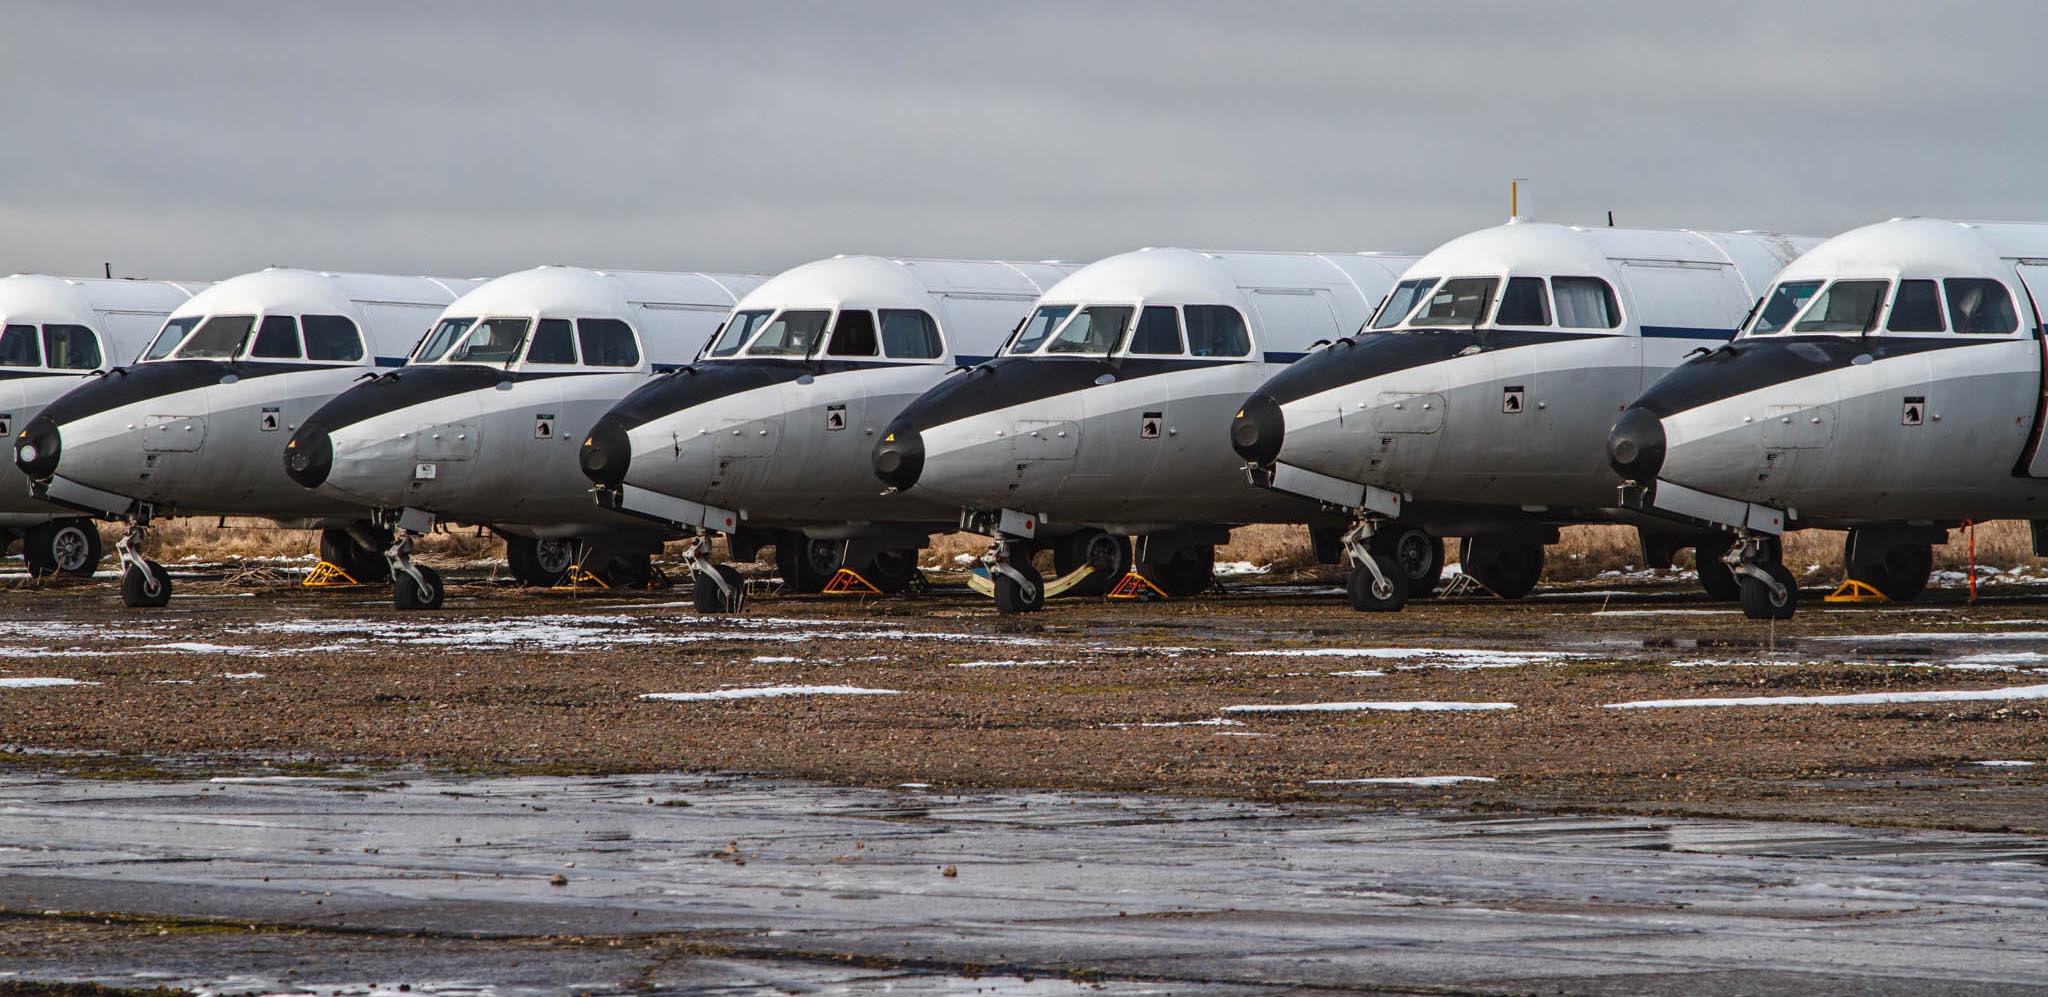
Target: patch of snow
[[1849, 699], [913, 785], [243, 676], [1014, 663], [1405, 780], [1216, 722], [768, 691], [770, 659], [965, 559], [1665, 612], [1452, 657], [1420, 706], [38, 683], [1360, 673], [2003, 763], [1942, 635], [1234, 569], [52, 652]]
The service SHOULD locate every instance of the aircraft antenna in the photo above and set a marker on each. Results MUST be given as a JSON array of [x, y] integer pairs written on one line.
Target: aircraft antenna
[[109, 267], [1610, 218], [1515, 198]]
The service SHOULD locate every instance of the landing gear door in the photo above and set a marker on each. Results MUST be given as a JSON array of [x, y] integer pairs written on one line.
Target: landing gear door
[[2034, 463]]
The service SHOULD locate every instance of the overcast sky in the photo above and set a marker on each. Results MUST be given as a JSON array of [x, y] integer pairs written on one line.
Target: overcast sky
[[202, 139]]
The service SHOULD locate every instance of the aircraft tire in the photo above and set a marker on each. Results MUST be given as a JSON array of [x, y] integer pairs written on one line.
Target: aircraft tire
[[1185, 575], [340, 549], [893, 571], [135, 587], [407, 594], [63, 547], [1111, 555], [1757, 602], [1419, 555], [1368, 595], [1899, 571], [539, 563], [1508, 570], [806, 564], [1010, 598], [709, 598]]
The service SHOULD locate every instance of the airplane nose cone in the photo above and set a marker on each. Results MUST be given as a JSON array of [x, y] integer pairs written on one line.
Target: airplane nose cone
[[1635, 447], [309, 457], [36, 448], [899, 458], [606, 453], [1257, 430]]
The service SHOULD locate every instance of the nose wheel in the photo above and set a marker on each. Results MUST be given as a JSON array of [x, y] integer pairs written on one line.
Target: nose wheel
[[144, 583], [716, 588], [1378, 583], [413, 586], [1018, 587], [1769, 592]]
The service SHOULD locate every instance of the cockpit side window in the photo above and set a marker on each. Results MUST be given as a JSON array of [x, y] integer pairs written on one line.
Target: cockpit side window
[[445, 334], [1524, 303], [495, 340], [18, 347], [1041, 324], [1158, 332], [71, 347], [1916, 308], [1782, 305], [167, 340], [738, 329], [1216, 331], [331, 337], [1402, 301], [853, 335], [277, 338], [1585, 303], [908, 334], [219, 339], [607, 342], [1846, 306], [1458, 301], [554, 341], [1980, 306], [791, 334], [1098, 329]]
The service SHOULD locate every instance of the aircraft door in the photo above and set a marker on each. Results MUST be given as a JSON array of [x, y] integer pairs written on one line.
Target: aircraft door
[[2034, 462]]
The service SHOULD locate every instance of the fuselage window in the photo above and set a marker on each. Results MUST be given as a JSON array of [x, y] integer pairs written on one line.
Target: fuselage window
[[1461, 301], [1980, 306], [446, 334], [277, 338], [1158, 332], [1404, 299], [1782, 305], [331, 337], [495, 340], [910, 335], [1916, 308], [1097, 329], [792, 334], [1585, 303], [738, 329], [1846, 306], [1524, 303], [18, 347], [553, 342], [220, 338], [854, 335], [1042, 323], [173, 333], [1216, 331], [607, 342], [71, 347]]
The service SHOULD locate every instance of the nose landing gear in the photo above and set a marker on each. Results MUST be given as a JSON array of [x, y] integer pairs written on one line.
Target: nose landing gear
[[1769, 592], [1377, 583], [414, 586], [144, 583], [718, 587], [1018, 586]]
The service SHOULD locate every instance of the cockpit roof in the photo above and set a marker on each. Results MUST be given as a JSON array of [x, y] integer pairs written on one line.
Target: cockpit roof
[[281, 290], [576, 292], [883, 282], [41, 298], [1923, 247], [1172, 276], [1547, 249]]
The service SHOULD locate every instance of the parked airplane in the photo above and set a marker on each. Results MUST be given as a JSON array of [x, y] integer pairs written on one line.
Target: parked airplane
[[1892, 384], [766, 438], [1107, 414], [1484, 384], [193, 426], [57, 329], [481, 425]]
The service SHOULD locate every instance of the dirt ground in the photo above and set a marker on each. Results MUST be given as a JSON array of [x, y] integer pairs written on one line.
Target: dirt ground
[[258, 674]]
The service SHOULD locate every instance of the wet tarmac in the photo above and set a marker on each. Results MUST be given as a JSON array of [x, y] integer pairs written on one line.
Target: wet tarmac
[[684, 883]]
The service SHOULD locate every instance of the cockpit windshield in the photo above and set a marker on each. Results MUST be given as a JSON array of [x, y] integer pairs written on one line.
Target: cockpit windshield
[[445, 335], [1098, 329], [791, 334], [1402, 301], [1458, 301], [220, 338], [167, 340], [1040, 325], [495, 340], [1782, 305], [740, 328], [1846, 306]]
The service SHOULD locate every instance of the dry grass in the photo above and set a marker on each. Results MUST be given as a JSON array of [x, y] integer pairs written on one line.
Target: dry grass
[[247, 539]]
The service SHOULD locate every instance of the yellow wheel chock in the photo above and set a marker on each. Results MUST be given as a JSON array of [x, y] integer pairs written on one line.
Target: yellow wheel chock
[[578, 578], [1136, 586], [327, 574], [849, 582], [1854, 591]]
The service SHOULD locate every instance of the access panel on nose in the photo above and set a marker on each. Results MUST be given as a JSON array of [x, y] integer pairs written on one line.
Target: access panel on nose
[[173, 433], [446, 441]]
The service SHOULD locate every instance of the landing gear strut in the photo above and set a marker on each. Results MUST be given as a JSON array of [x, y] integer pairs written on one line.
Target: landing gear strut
[[1769, 592], [144, 583], [1377, 583], [718, 588], [1019, 589], [413, 586]]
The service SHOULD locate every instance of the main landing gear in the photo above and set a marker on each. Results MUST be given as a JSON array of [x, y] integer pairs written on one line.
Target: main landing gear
[[61, 547], [144, 583]]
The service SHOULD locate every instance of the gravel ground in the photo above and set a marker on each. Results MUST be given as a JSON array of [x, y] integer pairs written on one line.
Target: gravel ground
[[255, 674]]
